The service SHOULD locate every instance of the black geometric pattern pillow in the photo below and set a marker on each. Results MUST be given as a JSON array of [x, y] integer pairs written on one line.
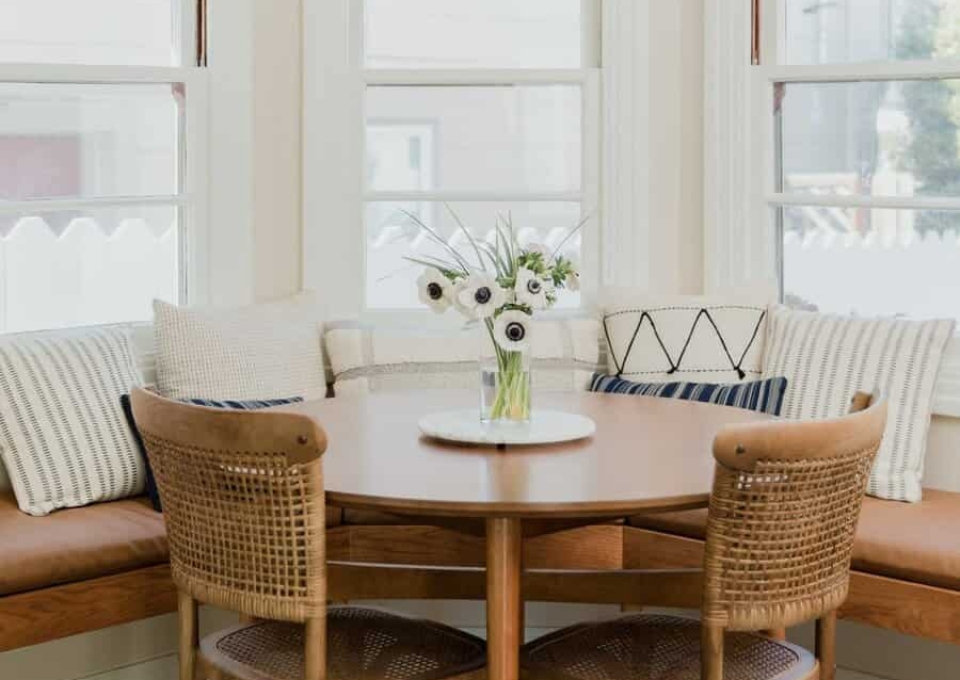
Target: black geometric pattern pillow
[[695, 339]]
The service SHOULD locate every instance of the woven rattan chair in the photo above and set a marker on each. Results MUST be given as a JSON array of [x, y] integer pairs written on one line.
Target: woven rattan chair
[[783, 512], [243, 502]]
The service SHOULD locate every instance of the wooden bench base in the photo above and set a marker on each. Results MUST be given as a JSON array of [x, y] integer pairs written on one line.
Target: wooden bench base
[[909, 608], [586, 564], [52, 613]]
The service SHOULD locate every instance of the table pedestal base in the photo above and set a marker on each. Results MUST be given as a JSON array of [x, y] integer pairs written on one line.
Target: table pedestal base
[[504, 600]]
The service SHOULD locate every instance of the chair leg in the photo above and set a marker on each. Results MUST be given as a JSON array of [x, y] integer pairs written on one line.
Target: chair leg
[[189, 636], [826, 648], [315, 651], [711, 652]]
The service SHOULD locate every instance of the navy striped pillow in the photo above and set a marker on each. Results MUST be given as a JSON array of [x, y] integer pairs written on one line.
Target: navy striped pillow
[[763, 396], [150, 485]]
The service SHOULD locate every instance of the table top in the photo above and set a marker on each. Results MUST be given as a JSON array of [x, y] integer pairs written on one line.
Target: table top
[[648, 454]]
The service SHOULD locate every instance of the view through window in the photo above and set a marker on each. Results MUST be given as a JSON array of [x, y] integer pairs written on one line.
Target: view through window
[[868, 156], [473, 109], [93, 195]]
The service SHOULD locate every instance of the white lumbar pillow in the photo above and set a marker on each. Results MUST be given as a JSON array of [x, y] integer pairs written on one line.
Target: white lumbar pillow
[[712, 339], [389, 358], [828, 358], [264, 351], [63, 437]]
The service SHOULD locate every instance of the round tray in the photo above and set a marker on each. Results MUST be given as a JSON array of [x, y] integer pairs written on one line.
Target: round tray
[[544, 427]]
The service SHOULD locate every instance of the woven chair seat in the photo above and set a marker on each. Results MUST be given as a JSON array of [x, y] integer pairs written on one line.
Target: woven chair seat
[[362, 644], [654, 647]]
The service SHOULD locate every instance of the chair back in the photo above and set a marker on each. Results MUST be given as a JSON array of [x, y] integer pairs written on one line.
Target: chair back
[[243, 502], [783, 513]]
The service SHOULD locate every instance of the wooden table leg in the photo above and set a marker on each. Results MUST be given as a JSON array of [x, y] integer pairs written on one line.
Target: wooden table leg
[[504, 603]]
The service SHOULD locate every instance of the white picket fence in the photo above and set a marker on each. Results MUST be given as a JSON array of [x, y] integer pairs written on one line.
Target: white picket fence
[[886, 272], [84, 275]]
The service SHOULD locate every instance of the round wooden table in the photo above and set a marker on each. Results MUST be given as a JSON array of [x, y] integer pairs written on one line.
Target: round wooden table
[[647, 455]]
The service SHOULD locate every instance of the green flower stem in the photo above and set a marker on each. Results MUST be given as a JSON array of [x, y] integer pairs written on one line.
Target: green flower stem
[[512, 401]]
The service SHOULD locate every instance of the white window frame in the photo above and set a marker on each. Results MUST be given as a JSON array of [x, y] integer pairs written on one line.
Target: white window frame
[[742, 200], [334, 230], [191, 199]]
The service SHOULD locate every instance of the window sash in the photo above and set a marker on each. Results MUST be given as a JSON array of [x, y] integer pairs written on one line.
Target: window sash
[[191, 197], [587, 77]]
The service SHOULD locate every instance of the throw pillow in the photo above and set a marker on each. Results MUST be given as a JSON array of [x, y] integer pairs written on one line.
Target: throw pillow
[[763, 396], [827, 358], [715, 339], [151, 483], [62, 436], [265, 351]]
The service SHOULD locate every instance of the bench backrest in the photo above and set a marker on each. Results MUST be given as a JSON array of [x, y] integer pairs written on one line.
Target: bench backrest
[[942, 462]]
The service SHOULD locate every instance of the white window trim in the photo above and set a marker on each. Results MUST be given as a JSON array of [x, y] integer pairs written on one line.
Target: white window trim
[[192, 197], [739, 194], [333, 243]]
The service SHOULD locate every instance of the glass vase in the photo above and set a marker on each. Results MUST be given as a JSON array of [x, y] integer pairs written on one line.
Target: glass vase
[[505, 385]]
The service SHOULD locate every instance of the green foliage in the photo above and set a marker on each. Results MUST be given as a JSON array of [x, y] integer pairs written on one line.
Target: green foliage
[[932, 106]]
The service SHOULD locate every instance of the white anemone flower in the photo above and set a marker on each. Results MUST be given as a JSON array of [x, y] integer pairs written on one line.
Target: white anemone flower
[[572, 282], [512, 331], [531, 290], [480, 295], [434, 289]]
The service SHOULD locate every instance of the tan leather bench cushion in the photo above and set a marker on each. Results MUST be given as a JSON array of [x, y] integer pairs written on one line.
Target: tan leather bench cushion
[[82, 543], [917, 542], [77, 544]]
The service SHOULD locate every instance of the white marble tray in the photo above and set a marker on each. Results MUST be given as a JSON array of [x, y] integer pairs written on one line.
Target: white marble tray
[[544, 427]]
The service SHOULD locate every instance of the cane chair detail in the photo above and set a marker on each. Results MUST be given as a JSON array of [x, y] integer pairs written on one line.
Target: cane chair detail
[[783, 513], [363, 644], [243, 503], [652, 646]]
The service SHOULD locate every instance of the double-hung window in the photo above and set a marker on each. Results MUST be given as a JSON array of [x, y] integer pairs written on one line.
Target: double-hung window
[[862, 118], [473, 112], [102, 168]]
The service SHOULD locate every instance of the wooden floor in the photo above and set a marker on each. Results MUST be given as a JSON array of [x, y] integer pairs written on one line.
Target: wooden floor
[[165, 668]]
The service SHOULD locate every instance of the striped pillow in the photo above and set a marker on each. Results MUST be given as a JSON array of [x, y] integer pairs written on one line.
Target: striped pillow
[[62, 436], [828, 358], [251, 405], [763, 396]]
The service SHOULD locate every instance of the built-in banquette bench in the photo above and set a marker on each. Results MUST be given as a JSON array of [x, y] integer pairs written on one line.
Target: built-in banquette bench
[[88, 568]]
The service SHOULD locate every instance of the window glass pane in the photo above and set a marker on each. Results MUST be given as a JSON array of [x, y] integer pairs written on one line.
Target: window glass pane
[[471, 33], [474, 138], [73, 268], [872, 138], [872, 262], [59, 141], [391, 235], [821, 32], [137, 32]]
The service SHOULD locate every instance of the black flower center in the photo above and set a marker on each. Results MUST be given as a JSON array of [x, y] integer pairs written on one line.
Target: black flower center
[[483, 295], [434, 290], [534, 287], [515, 331]]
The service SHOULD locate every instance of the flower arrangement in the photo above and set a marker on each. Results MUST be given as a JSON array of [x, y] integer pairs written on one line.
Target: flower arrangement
[[500, 287]]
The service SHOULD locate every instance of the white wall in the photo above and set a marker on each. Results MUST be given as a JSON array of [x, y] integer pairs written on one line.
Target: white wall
[[276, 147]]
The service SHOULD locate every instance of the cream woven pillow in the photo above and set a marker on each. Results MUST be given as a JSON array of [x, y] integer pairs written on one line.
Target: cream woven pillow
[[827, 358], [264, 351], [382, 358]]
